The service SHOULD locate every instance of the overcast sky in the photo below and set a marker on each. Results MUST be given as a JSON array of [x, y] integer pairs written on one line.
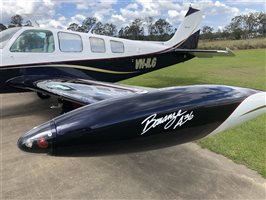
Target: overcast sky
[[60, 13]]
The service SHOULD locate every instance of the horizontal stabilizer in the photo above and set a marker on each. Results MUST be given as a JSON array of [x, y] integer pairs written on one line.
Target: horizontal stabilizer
[[206, 53]]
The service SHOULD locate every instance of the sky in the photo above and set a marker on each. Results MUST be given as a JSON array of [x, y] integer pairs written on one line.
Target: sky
[[61, 13]]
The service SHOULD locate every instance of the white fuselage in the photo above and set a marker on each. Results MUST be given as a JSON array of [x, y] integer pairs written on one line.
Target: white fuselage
[[131, 48], [13, 54]]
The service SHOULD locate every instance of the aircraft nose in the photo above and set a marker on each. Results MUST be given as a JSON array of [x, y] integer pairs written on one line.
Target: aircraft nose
[[38, 140], [22, 144]]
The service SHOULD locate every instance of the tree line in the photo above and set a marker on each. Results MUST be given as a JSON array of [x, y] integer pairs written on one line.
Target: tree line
[[139, 29], [244, 26]]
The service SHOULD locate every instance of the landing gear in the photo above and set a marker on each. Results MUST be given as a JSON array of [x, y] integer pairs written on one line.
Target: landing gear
[[43, 96], [65, 106], [69, 106]]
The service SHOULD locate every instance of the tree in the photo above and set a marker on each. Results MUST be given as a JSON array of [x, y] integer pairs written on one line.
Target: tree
[[135, 30], [121, 33], [162, 29], [235, 28], [73, 27], [110, 29], [261, 26], [149, 24], [2, 27], [207, 32], [88, 23], [249, 25], [98, 28], [16, 21]]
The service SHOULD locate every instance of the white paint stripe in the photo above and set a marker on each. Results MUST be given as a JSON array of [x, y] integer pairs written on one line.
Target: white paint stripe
[[246, 111]]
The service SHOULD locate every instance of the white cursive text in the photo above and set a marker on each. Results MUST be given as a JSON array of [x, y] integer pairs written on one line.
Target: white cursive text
[[172, 120]]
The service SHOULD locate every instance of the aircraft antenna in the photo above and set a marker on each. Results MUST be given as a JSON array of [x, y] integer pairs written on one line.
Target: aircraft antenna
[[33, 21], [92, 27], [190, 4]]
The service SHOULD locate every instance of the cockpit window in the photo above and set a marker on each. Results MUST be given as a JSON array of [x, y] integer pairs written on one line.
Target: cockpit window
[[6, 35], [35, 41]]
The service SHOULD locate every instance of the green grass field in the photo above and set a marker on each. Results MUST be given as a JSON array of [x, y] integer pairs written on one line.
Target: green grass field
[[245, 144]]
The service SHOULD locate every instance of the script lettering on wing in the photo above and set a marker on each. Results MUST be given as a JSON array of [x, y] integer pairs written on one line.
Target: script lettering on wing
[[172, 120]]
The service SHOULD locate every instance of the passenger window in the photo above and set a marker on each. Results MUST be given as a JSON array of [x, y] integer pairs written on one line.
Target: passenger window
[[69, 42], [117, 47], [97, 45], [36, 41]]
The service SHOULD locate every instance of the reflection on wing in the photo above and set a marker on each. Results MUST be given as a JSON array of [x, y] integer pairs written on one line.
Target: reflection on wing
[[87, 92]]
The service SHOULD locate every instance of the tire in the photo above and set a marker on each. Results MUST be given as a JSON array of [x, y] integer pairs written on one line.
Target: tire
[[67, 107], [43, 96]]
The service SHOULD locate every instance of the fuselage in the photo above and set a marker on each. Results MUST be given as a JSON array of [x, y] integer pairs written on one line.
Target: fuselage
[[51, 54]]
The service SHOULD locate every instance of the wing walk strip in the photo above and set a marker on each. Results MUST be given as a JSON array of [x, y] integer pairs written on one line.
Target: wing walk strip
[[77, 67]]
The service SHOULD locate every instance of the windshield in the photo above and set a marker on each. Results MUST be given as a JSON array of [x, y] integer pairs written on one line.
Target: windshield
[[6, 35]]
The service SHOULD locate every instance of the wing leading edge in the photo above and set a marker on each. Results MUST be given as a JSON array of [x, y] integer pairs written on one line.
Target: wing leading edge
[[86, 91], [80, 91]]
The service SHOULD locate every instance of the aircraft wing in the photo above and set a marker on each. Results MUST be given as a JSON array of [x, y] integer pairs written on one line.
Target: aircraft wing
[[86, 91], [200, 53], [79, 90]]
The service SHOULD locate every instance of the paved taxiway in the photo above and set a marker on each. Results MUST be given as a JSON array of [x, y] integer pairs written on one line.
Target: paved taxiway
[[180, 172]]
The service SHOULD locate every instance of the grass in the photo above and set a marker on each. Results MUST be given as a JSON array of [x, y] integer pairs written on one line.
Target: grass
[[255, 43], [245, 144]]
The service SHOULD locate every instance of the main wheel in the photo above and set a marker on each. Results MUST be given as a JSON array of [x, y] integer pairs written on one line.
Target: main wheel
[[43, 96], [69, 106]]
